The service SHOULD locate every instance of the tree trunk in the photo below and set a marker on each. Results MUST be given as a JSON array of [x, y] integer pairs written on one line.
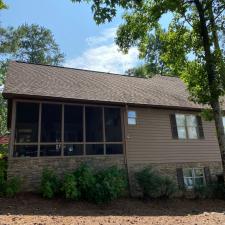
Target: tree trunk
[[212, 80], [220, 131]]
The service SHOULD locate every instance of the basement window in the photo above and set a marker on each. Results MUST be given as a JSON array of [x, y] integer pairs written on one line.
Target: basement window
[[193, 177], [132, 117]]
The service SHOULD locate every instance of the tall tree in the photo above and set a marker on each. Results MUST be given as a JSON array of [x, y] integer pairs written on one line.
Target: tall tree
[[202, 22], [151, 51], [36, 44], [33, 44], [3, 106], [2, 5], [142, 71]]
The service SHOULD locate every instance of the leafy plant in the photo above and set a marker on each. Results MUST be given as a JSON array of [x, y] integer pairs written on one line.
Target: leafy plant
[[69, 187], [12, 187], [154, 185], [85, 179], [3, 151], [8, 188], [214, 190], [110, 184], [50, 184]]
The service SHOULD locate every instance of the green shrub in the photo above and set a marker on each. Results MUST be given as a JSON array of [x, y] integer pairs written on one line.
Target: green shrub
[[8, 188], [50, 184], [3, 151], [69, 187], [154, 185], [85, 179], [12, 187], [110, 184], [214, 190]]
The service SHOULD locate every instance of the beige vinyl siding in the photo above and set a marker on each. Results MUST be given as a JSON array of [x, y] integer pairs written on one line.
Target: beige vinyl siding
[[150, 140]]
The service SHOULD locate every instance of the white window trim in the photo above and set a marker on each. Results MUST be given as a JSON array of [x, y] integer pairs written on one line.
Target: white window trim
[[193, 177], [187, 136]]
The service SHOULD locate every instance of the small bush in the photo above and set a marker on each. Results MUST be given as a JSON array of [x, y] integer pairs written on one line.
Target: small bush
[[12, 187], [154, 185], [85, 179], [110, 184], [50, 184], [69, 187], [84, 184], [214, 190], [3, 151], [8, 188]]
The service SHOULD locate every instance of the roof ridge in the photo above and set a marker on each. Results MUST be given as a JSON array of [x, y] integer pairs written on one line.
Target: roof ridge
[[71, 68]]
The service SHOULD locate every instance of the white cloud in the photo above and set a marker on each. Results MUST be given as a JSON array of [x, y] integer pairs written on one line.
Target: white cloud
[[106, 35], [103, 55]]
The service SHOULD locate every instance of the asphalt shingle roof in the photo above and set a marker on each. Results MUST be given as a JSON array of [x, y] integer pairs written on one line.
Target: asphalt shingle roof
[[43, 81]]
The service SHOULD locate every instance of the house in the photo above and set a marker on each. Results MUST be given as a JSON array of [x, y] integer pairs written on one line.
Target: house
[[61, 117]]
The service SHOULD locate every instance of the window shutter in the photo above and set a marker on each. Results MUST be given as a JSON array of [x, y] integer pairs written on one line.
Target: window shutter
[[207, 175], [200, 127], [180, 178], [173, 126]]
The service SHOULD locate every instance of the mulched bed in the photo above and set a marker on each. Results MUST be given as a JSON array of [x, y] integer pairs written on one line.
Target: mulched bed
[[32, 209]]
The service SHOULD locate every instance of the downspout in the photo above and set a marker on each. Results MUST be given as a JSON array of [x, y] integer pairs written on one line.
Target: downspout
[[125, 148]]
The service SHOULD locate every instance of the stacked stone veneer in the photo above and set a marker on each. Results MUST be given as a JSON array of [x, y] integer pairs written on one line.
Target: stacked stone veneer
[[169, 169], [30, 169]]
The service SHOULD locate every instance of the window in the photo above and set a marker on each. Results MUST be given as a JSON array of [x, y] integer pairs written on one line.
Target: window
[[73, 123], [26, 122], [26, 129], [113, 131], [112, 149], [193, 176], [187, 126], [50, 129], [50, 150], [25, 150], [132, 118], [51, 120], [94, 149], [94, 124], [73, 149]]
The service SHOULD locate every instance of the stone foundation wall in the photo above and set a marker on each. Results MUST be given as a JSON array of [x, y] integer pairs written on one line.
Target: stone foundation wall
[[30, 169], [169, 169]]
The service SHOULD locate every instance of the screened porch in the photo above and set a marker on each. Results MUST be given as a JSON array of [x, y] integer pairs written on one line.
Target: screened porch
[[41, 129]]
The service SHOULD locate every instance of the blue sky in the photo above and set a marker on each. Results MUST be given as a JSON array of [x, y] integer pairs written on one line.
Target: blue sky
[[84, 44]]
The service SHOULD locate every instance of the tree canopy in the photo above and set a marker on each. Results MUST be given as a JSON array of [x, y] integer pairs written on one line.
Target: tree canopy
[[2, 5], [193, 45], [30, 43], [151, 50]]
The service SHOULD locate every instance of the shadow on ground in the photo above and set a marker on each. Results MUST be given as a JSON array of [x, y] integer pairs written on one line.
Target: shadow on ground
[[31, 204]]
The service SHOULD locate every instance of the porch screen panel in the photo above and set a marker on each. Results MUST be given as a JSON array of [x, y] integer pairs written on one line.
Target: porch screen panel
[[113, 149], [26, 122], [94, 124], [73, 149], [25, 151], [73, 123], [94, 149], [113, 131], [50, 150], [51, 120]]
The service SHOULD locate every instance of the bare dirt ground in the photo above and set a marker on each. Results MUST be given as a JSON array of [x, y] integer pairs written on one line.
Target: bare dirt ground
[[31, 209]]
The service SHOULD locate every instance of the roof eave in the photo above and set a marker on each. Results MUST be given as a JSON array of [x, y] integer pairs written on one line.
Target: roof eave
[[50, 98]]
